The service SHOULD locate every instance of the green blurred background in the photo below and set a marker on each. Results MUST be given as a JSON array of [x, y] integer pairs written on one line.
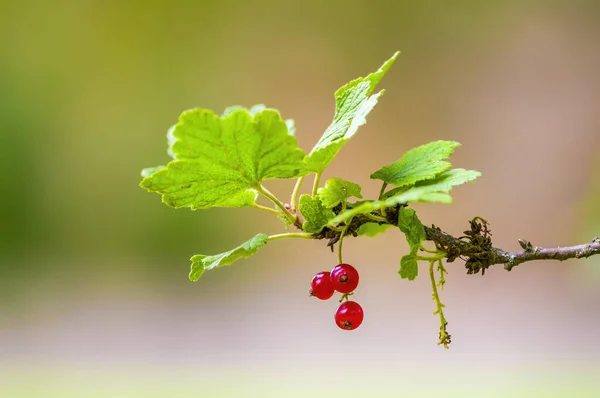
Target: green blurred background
[[94, 296]]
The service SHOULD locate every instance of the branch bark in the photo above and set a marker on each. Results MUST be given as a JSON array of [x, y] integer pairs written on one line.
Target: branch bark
[[475, 247], [479, 254]]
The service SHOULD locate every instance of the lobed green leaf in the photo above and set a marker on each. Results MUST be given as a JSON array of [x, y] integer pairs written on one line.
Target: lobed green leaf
[[353, 102], [337, 191], [201, 263], [259, 108], [411, 226], [315, 214], [220, 161], [421, 163], [409, 268], [413, 230]]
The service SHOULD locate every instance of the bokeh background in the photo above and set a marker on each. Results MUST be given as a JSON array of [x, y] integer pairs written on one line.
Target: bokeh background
[[94, 296]]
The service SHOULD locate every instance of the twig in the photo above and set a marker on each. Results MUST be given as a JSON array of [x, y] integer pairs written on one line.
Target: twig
[[475, 247], [480, 256], [513, 259]]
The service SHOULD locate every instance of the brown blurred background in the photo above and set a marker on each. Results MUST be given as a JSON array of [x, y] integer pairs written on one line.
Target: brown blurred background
[[94, 296]]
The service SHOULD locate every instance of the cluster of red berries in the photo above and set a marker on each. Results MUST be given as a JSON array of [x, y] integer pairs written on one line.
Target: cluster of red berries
[[344, 279]]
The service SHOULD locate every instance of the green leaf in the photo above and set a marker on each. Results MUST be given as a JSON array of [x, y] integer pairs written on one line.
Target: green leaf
[[252, 111], [413, 230], [421, 163], [431, 197], [291, 126], [431, 191], [412, 195], [220, 161], [259, 108], [315, 214], [170, 141], [411, 226], [201, 263], [151, 170], [372, 229], [448, 180], [353, 102], [409, 269], [442, 183], [337, 191]]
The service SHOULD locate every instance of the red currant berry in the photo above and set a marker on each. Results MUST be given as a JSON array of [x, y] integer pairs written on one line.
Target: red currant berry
[[349, 315], [321, 286], [344, 278]]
